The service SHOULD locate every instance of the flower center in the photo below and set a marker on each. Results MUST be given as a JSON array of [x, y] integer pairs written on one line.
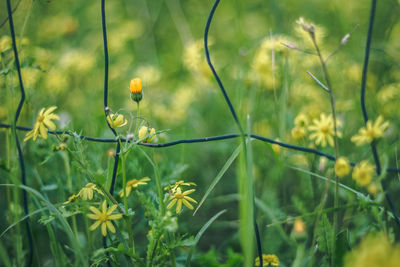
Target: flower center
[[178, 196], [40, 118], [103, 217], [325, 129], [371, 133]]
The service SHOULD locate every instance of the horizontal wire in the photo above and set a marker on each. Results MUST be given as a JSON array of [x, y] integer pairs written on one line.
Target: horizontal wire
[[196, 140]]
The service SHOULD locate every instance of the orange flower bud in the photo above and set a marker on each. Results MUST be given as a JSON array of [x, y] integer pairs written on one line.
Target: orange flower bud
[[136, 89], [135, 85]]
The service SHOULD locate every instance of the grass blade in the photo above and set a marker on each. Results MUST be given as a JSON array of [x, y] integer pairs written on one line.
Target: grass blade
[[200, 233], [219, 176]]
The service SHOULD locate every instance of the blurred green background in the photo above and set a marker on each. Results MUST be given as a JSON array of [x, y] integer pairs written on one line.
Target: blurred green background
[[61, 50]]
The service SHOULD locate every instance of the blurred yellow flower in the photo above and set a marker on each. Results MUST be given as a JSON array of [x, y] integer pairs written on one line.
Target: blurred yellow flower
[[276, 148], [370, 132], [342, 167], [103, 218], [299, 227], [70, 199], [268, 259], [363, 172], [5, 43], [178, 197], [150, 74], [323, 130], [116, 120], [42, 124], [298, 133], [87, 191], [147, 134], [301, 120], [373, 189], [374, 250], [134, 183]]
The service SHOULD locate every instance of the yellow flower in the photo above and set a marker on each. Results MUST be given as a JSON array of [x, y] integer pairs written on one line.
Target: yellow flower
[[370, 132], [323, 130], [298, 133], [342, 167], [268, 259], [134, 183], [42, 124], [301, 120], [172, 188], [299, 227], [116, 120], [363, 172], [178, 197], [147, 134], [70, 199], [104, 218], [135, 87], [87, 191], [373, 189], [375, 250], [276, 148]]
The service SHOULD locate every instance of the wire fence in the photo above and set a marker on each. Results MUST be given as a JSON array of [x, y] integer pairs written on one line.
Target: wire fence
[[14, 127]]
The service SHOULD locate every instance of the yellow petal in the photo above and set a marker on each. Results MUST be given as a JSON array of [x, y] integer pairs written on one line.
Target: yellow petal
[[115, 216], [43, 131], [188, 192], [172, 203], [104, 229], [111, 209], [187, 204], [93, 216], [94, 210], [49, 110], [104, 207], [179, 206], [94, 226], [49, 124], [110, 226], [190, 199]]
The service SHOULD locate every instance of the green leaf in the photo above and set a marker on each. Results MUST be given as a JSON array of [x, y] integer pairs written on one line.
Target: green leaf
[[342, 246], [219, 176], [200, 233]]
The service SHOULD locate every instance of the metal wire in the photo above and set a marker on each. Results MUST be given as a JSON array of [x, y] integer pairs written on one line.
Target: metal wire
[[374, 149], [17, 113]]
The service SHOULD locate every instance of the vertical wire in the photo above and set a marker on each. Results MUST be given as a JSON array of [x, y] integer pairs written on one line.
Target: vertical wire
[[235, 117], [106, 108], [17, 113], [365, 114]]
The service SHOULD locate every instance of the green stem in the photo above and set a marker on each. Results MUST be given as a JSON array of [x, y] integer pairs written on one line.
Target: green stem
[[332, 100]]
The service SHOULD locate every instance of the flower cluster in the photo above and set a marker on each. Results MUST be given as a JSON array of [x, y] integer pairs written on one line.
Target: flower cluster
[[86, 193], [268, 259]]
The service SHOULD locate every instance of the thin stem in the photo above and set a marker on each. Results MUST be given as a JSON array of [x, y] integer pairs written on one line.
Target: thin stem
[[333, 108]]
